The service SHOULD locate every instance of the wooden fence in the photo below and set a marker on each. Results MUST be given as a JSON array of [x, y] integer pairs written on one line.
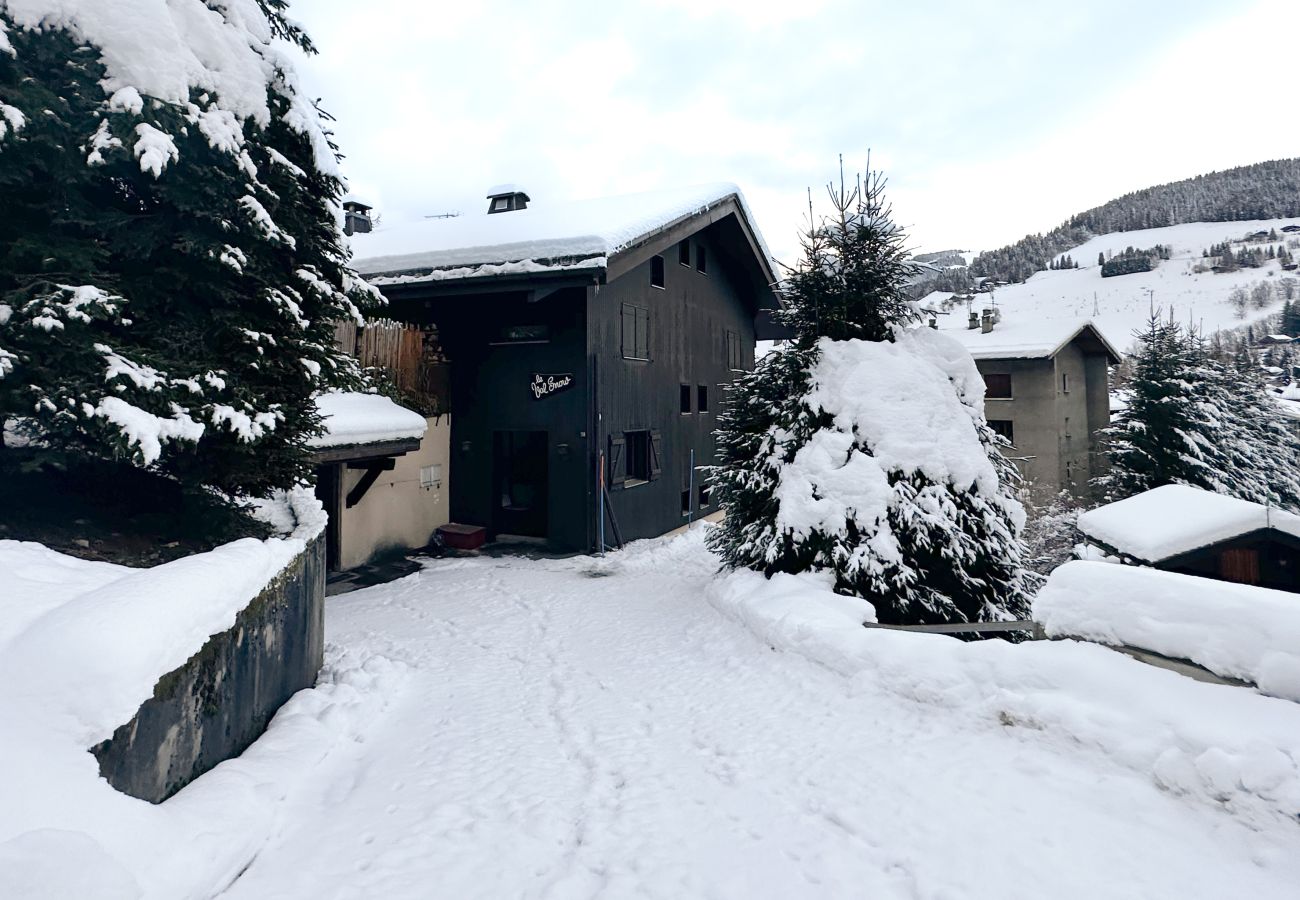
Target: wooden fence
[[410, 354]]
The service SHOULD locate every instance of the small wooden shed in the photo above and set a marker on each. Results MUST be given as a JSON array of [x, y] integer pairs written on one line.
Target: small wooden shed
[[1185, 529]]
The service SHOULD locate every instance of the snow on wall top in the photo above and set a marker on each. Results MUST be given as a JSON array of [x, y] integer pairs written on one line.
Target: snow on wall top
[[1174, 519], [163, 48], [577, 234], [1234, 630], [1018, 337], [353, 418]]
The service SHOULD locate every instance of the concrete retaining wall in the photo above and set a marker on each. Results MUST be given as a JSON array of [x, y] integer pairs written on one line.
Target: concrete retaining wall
[[219, 702]]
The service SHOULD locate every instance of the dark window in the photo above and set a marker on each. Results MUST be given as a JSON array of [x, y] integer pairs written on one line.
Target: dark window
[[685, 399], [500, 204], [701, 259], [684, 253], [1004, 428], [733, 351], [705, 492], [642, 453], [636, 332], [1065, 382], [997, 386], [702, 398], [657, 271], [686, 502], [523, 334]]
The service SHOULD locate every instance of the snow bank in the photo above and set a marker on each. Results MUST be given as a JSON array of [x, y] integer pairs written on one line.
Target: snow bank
[[1219, 744], [354, 418], [582, 233], [1234, 630], [1174, 519], [83, 646]]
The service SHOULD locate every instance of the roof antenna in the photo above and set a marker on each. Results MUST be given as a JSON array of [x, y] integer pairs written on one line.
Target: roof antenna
[[1095, 310]]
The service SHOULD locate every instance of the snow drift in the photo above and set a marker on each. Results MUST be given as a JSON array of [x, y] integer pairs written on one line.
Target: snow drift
[[1233, 630]]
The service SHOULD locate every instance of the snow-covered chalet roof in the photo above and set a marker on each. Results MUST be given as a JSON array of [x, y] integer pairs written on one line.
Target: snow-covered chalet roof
[[1018, 337], [353, 418], [545, 237], [1175, 519]]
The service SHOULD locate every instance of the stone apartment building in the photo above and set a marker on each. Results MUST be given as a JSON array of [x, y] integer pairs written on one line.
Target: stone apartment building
[[1048, 392]]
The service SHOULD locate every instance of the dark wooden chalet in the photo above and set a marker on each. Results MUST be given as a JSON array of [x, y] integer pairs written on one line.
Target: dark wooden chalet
[[589, 348], [1184, 529]]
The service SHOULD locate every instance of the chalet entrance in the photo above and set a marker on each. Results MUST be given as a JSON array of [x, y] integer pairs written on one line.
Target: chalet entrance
[[520, 482]]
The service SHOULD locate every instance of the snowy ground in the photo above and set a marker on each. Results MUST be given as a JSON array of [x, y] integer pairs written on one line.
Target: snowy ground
[[583, 728]]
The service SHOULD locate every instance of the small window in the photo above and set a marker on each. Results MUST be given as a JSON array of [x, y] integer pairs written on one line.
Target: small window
[[636, 332], [733, 351], [1004, 428], [657, 271], [686, 502], [702, 398], [997, 386], [684, 253], [1069, 472], [642, 450], [685, 400], [500, 204], [1065, 382], [705, 493], [701, 259]]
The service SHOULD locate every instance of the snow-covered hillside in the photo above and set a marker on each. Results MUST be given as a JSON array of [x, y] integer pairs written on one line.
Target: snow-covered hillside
[[1123, 302]]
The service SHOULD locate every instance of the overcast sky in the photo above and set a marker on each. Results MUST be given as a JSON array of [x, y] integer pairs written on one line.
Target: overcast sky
[[991, 119]]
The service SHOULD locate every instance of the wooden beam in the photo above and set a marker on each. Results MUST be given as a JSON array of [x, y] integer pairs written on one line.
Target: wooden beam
[[373, 471], [360, 452]]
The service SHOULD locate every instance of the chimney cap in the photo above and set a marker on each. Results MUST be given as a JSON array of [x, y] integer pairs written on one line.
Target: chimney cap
[[356, 206]]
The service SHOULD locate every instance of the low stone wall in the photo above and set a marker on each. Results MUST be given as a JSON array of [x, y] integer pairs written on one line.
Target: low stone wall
[[219, 702]]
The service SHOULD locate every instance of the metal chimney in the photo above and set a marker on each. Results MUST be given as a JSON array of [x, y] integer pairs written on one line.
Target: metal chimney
[[356, 217]]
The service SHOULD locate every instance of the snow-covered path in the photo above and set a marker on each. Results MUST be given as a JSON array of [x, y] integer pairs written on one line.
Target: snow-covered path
[[580, 729]]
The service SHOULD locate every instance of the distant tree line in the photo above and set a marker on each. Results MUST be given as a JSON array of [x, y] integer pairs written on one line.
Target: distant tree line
[[1267, 190], [1134, 260]]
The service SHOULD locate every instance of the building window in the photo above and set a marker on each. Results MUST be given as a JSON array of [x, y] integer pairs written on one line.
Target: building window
[[1004, 428], [684, 253], [657, 271], [500, 204], [701, 259], [705, 493], [641, 451], [522, 334], [636, 332], [1069, 472], [685, 399], [702, 398], [733, 351], [1065, 382], [686, 502], [997, 386]]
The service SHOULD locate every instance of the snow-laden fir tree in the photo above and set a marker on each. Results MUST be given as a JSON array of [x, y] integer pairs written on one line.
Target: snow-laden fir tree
[[1194, 419], [170, 260], [861, 448]]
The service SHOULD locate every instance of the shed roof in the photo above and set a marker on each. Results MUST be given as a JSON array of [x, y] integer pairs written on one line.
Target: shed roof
[[1175, 519], [1031, 338], [545, 237], [353, 419]]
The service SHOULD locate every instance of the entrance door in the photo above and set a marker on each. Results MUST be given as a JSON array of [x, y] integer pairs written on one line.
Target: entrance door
[[519, 477]]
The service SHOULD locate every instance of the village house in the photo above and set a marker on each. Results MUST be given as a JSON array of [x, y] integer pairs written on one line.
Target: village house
[[1047, 392], [586, 348], [1194, 532]]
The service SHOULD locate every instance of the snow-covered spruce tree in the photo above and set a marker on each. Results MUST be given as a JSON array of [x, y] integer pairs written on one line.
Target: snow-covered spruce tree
[[1193, 419], [170, 259], [861, 448]]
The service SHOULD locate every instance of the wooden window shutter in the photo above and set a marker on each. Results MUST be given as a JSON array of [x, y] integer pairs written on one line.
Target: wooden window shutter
[[656, 454], [617, 462]]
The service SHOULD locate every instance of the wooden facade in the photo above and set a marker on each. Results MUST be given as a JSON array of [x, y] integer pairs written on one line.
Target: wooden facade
[[1266, 558], [566, 384]]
